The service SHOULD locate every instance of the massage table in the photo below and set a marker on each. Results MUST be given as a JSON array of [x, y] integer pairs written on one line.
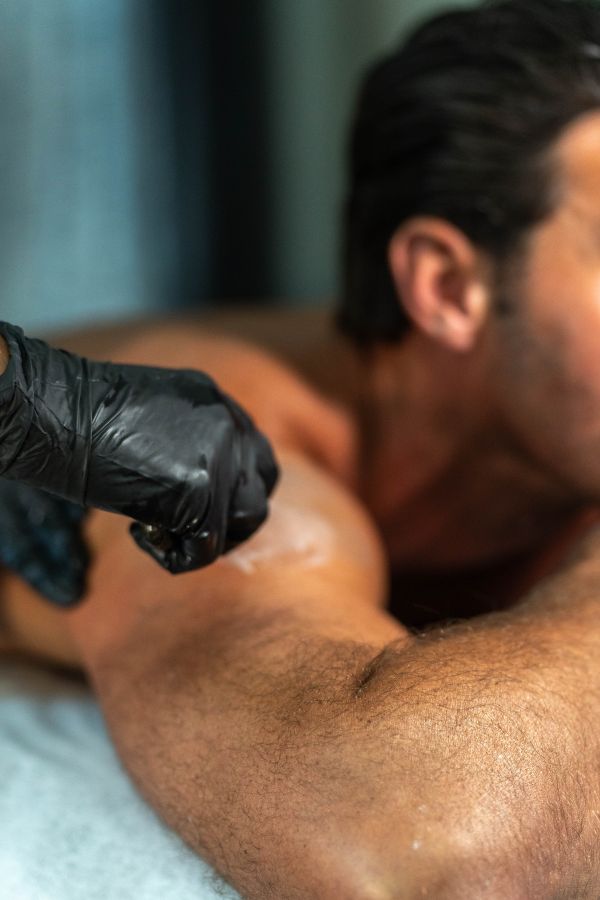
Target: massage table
[[72, 826]]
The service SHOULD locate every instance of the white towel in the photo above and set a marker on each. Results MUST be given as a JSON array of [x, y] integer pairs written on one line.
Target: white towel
[[72, 827]]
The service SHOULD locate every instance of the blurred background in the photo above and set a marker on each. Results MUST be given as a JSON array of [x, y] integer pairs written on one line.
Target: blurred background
[[162, 155]]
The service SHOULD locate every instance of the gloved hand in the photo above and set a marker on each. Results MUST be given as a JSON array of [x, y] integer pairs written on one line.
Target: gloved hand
[[164, 447], [41, 540]]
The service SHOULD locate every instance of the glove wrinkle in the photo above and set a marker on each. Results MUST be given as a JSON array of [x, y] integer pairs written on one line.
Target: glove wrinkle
[[83, 427], [28, 404]]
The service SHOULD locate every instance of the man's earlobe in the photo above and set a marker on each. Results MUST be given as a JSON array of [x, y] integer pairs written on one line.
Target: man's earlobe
[[436, 271]]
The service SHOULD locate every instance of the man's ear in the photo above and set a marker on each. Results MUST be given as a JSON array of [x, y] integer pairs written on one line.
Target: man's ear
[[437, 274]]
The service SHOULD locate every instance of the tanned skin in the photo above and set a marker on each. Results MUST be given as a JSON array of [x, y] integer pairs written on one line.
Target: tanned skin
[[270, 707]]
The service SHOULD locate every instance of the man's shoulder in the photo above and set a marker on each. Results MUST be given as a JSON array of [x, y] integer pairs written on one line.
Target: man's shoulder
[[279, 365]]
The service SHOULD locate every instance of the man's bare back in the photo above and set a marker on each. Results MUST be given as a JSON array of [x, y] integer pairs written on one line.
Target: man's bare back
[[347, 408], [307, 388], [245, 354]]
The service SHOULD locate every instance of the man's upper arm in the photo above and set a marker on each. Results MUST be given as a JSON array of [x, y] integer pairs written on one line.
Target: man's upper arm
[[318, 550], [318, 553]]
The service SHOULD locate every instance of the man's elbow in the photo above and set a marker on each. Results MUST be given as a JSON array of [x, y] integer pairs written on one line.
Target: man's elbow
[[376, 853], [356, 876]]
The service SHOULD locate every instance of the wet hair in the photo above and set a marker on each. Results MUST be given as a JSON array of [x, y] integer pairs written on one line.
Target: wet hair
[[459, 123]]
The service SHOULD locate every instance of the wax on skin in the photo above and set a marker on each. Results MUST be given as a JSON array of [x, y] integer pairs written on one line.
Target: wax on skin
[[291, 535]]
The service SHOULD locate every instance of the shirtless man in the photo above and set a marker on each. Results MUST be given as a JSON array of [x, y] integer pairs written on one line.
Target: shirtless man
[[271, 707]]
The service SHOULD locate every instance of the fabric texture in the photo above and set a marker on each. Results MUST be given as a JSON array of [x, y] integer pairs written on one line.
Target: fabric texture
[[72, 826]]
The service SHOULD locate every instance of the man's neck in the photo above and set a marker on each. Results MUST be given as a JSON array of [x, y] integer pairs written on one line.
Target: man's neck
[[445, 483]]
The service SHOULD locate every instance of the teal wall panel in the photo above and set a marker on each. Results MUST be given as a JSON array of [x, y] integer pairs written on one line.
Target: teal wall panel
[[129, 184]]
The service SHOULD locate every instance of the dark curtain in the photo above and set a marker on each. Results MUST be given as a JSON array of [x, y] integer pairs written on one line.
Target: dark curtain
[[215, 63]]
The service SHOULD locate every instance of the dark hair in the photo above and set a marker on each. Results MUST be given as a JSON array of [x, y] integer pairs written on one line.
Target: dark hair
[[458, 123]]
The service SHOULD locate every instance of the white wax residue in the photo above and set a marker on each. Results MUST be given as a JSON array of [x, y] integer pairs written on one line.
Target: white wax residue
[[290, 535]]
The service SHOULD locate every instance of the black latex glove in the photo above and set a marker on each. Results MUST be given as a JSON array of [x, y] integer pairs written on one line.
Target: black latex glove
[[164, 447], [41, 540]]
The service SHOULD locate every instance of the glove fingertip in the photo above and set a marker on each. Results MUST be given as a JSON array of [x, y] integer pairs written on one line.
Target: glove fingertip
[[268, 466], [141, 538], [270, 474]]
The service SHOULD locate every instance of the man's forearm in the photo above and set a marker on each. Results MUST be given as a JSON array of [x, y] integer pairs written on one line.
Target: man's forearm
[[466, 760]]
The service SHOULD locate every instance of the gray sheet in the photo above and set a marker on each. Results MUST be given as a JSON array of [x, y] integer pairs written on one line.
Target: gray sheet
[[71, 825]]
